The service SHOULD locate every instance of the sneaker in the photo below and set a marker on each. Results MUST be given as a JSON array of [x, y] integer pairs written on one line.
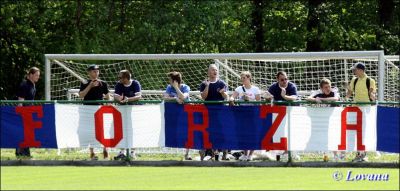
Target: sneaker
[[268, 155], [230, 157], [243, 158], [187, 157], [207, 158], [358, 159], [342, 156], [250, 158], [94, 158], [378, 155], [133, 155]]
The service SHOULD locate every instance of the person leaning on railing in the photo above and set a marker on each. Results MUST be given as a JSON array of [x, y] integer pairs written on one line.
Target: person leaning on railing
[[364, 90], [246, 92], [27, 91], [326, 93], [127, 91], [283, 90], [94, 89], [213, 89], [179, 92]]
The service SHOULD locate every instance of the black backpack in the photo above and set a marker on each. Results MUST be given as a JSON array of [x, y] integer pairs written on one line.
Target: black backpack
[[368, 85]]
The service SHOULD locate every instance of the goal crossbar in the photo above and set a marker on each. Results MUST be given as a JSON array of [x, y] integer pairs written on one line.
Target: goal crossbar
[[286, 56]]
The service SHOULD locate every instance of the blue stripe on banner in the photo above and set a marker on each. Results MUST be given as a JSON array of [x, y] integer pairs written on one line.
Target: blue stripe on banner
[[12, 129], [228, 127], [388, 129]]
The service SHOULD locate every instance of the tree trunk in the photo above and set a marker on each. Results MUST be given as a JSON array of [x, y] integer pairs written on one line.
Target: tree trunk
[[313, 26], [111, 12], [257, 25], [385, 18], [78, 14], [123, 16]]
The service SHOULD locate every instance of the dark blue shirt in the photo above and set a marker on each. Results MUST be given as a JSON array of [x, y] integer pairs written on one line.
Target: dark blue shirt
[[213, 90], [128, 91], [275, 90], [26, 90]]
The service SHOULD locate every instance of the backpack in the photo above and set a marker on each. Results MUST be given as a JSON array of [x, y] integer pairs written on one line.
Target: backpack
[[367, 83]]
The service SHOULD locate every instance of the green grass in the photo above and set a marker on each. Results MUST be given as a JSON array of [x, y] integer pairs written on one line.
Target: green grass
[[193, 178], [77, 154]]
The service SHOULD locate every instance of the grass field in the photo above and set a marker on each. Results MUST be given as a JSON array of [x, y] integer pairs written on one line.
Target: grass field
[[82, 154], [193, 178]]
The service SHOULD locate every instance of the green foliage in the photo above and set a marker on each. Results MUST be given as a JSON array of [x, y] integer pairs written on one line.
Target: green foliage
[[30, 29], [190, 178]]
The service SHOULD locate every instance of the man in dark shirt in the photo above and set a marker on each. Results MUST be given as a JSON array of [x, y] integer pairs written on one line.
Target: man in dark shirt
[[94, 89], [213, 89], [326, 93], [27, 91], [283, 90], [127, 90]]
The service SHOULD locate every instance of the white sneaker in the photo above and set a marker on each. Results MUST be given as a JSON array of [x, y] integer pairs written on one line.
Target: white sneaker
[[133, 155], [250, 158], [269, 155], [243, 158], [296, 157], [207, 158], [231, 157], [378, 155]]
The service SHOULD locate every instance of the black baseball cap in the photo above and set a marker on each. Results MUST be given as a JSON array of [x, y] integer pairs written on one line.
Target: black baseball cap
[[358, 65], [92, 67]]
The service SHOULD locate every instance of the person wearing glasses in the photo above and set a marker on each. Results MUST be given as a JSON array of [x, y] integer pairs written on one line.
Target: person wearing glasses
[[283, 90], [127, 91]]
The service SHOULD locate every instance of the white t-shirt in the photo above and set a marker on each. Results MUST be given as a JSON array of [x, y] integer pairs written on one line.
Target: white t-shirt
[[252, 92]]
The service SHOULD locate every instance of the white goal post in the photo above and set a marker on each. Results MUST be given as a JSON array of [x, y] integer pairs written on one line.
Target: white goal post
[[63, 72]]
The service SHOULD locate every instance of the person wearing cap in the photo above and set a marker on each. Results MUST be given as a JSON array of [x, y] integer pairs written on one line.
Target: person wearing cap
[[94, 89], [364, 89]]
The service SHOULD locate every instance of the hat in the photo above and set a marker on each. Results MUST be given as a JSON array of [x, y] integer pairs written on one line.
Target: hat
[[93, 67], [358, 65]]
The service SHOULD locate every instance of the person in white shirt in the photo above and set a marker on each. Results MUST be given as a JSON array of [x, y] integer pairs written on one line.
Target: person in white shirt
[[246, 92]]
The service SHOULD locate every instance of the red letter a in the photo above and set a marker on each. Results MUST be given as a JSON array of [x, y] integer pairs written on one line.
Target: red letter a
[[357, 127]]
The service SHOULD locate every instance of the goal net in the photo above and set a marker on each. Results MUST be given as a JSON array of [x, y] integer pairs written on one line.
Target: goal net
[[64, 72]]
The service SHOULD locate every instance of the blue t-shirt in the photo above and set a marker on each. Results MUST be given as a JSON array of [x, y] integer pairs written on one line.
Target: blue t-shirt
[[275, 90], [172, 92], [128, 91], [213, 90]]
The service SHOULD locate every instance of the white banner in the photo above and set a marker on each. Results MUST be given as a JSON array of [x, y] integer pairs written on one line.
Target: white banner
[[306, 128], [320, 129], [140, 126]]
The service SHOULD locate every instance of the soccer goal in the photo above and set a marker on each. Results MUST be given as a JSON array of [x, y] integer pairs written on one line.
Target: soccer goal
[[64, 72]]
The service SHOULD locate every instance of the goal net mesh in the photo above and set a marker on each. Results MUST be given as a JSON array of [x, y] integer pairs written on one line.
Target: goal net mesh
[[305, 73]]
